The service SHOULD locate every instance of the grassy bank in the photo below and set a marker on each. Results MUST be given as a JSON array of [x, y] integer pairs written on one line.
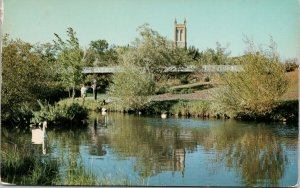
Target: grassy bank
[[286, 110], [195, 100]]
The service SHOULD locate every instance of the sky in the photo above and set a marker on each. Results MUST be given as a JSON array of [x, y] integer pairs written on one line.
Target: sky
[[208, 21]]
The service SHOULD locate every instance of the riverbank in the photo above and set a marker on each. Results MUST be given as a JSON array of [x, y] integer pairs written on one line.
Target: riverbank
[[285, 110]]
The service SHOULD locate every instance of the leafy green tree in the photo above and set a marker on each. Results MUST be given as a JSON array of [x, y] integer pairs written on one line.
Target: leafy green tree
[[46, 51], [70, 60], [218, 56], [132, 86], [152, 51], [144, 64], [100, 53], [193, 53], [25, 76], [255, 91]]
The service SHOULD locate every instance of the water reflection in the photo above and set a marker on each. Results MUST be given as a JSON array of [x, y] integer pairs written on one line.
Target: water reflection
[[256, 153]]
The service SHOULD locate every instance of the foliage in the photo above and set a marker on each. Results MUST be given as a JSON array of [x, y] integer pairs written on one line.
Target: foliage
[[253, 92], [89, 104], [103, 81], [76, 174], [100, 53], [218, 56], [27, 75], [18, 116], [291, 65], [152, 52], [21, 166], [194, 108], [70, 60], [132, 86], [59, 114], [158, 107], [286, 111]]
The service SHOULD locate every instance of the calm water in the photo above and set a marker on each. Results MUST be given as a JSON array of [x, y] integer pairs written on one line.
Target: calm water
[[183, 152]]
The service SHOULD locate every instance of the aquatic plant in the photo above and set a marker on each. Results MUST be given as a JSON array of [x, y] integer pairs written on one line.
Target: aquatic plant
[[194, 108], [75, 174], [21, 166]]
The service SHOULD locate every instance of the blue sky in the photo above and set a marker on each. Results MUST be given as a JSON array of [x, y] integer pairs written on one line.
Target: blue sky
[[208, 21]]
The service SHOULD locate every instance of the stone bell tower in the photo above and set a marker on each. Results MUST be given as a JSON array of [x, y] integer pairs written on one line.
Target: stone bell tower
[[180, 34]]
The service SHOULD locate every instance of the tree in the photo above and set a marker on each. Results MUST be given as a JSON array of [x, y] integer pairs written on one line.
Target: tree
[[132, 86], [143, 65], [25, 76], [253, 92], [152, 52], [218, 56], [70, 60], [100, 53]]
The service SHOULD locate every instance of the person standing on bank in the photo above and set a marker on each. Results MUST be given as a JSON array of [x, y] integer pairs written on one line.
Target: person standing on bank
[[83, 91], [94, 86]]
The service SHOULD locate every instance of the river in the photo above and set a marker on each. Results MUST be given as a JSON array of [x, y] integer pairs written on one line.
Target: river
[[151, 151]]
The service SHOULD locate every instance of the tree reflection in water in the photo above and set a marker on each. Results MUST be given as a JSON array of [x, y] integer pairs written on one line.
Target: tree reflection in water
[[254, 151], [157, 149]]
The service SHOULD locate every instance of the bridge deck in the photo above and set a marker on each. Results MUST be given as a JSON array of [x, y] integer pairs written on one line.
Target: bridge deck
[[188, 69]]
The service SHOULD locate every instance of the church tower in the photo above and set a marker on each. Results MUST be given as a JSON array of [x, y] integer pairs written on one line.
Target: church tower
[[180, 34]]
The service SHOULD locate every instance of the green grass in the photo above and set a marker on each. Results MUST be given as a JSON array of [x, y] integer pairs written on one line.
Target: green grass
[[88, 103], [21, 166]]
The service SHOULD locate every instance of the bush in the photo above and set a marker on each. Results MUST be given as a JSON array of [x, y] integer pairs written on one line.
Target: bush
[[194, 108], [17, 116], [254, 92], [162, 90], [132, 86], [157, 107], [60, 114]]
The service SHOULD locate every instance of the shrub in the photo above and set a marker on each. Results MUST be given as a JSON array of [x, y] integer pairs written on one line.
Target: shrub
[[195, 108], [161, 90], [132, 86], [255, 91], [60, 114], [17, 116], [160, 106]]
